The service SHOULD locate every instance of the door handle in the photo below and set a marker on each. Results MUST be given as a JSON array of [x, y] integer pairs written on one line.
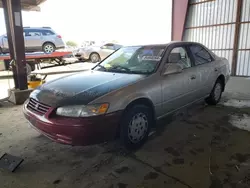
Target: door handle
[[193, 77]]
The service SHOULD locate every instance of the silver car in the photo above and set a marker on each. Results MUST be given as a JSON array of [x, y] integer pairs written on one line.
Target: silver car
[[126, 93], [36, 39], [96, 53]]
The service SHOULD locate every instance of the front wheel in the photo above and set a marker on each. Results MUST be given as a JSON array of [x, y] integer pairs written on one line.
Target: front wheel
[[215, 94], [135, 126], [94, 58]]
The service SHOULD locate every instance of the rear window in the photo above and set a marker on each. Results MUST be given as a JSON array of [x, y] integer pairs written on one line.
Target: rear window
[[201, 55], [47, 32]]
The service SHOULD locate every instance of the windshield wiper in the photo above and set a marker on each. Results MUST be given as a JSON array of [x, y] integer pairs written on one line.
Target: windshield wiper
[[120, 68]]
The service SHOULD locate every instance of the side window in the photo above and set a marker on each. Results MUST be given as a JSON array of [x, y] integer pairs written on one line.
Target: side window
[[108, 46], [32, 33], [201, 56], [179, 55], [47, 32], [116, 47]]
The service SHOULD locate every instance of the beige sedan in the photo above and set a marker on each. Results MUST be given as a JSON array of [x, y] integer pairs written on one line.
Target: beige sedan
[[125, 94], [96, 53]]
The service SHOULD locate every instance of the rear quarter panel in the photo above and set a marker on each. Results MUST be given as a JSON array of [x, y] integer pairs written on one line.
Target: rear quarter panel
[[58, 42], [223, 67], [211, 71]]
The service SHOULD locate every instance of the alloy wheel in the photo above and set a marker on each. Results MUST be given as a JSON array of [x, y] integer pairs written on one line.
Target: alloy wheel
[[48, 48]]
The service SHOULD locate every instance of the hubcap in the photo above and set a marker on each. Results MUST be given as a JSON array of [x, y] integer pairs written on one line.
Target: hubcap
[[138, 127], [217, 91], [48, 48], [94, 58]]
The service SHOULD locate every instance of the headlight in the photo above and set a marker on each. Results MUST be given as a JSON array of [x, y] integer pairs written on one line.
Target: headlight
[[82, 110]]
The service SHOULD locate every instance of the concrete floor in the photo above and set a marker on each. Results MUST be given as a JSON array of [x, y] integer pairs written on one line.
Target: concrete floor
[[199, 147]]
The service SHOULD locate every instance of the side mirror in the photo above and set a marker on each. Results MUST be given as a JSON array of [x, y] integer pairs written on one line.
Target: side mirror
[[172, 68]]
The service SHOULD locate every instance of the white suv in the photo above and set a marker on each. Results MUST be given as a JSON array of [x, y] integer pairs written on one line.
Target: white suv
[[36, 39]]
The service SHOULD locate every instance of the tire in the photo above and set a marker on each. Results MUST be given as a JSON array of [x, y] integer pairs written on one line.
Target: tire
[[28, 69], [134, 134], [48, 48], [32, 65], [94, 57], [215, 94]]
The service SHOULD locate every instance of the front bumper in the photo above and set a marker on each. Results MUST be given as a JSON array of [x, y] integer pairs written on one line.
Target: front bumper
[[74, 131]]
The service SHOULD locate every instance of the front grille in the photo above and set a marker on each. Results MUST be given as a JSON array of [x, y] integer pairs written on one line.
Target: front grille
[[36, 106]]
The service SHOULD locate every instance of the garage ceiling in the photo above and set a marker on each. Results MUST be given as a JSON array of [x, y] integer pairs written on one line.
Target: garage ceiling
[[29, 5]]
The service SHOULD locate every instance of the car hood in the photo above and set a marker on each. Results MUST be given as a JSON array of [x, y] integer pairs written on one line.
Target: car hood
[[82, 88]]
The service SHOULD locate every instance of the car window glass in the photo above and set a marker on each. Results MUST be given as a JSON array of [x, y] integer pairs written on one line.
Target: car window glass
[[116, 47], [179, 55], [108, 46], [32, 33], [200, 54], [133, 59], [47, 32]]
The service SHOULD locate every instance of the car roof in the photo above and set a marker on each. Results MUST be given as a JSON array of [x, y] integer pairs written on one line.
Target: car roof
[[40, 28], [167, 44]]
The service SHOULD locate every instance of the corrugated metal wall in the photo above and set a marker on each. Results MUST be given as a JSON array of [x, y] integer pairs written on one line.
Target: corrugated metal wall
[[213, 23], [243, 60]]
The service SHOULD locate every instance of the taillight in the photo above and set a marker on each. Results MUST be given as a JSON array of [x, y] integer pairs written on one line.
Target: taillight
[[59, 36]]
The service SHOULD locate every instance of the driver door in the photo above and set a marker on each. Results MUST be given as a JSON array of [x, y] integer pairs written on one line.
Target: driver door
[[178, 88]]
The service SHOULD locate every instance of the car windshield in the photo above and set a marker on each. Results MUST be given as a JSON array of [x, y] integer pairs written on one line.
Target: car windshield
[[134, 60]]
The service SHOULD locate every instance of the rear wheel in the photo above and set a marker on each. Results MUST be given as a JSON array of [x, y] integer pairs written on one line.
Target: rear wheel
[[48, 48], [215, 94], [135, 126], [94, 57]]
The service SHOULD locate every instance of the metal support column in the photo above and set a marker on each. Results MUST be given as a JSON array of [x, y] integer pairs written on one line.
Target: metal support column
[[13, 19], [11, 49], [236, 37], [179, 10]]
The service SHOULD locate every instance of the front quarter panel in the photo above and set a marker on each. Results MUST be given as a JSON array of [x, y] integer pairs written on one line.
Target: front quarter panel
[[149, 88]]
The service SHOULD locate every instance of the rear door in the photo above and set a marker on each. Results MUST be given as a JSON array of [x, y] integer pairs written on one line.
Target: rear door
[[48, 35], [178, 89], [33, 39], [106, 50], [205, 68]]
